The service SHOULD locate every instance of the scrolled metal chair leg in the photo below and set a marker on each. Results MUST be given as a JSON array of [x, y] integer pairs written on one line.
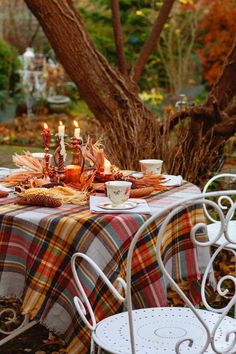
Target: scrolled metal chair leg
[[24, 326]]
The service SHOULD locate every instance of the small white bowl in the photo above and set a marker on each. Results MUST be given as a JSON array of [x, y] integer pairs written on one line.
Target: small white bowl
[[40, 156], [151, 166]]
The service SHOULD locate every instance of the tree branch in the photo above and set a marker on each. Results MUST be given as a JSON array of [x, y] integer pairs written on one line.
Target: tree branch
[[225, 87], [225, 124], [152, 40], [226, 129], [231, 109], [196, 113], [117, 30], [34, 35], [217, 108]]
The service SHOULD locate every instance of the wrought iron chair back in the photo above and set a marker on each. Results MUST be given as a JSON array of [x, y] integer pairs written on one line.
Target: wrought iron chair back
[[223, 200], [224, 221]]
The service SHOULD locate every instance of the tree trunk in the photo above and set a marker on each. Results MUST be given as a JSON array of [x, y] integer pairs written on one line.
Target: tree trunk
[[111, 97]]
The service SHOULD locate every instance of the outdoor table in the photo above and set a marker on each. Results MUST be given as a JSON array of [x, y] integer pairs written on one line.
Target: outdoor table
[[36, 245]]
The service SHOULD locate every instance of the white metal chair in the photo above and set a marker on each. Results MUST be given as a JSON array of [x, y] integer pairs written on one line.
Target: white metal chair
[[214, 224], [168, 329]]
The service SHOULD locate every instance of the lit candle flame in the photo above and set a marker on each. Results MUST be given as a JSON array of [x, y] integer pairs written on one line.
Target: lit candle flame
[[107, 167], [60, 123], [45, 125], [76, 124]]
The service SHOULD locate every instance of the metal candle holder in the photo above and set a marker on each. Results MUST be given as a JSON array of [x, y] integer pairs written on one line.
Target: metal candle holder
[[46, 137], [59, 160], [76, 144]]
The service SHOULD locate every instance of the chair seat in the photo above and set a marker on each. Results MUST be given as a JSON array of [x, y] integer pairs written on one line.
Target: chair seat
[[214, 228], [157, 330]]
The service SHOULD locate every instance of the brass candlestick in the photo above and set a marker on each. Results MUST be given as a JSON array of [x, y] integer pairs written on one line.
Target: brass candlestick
[[46, 159], [59, 159], [61, 169]]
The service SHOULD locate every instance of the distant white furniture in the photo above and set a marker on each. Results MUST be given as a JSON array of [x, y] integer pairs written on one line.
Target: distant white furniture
[[214, 224], [167, 330]]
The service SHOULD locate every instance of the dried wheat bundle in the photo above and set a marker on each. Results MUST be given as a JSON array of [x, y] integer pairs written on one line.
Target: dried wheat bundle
[[21, 178], [28, 162], [32, 166], [67, 195]]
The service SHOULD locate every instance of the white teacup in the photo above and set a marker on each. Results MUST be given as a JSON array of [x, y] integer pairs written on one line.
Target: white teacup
[[151, 166], [118, 192]]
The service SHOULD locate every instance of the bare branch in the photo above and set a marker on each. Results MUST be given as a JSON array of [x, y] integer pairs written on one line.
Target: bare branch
[[34, 35], [117, 30], [152, 40]]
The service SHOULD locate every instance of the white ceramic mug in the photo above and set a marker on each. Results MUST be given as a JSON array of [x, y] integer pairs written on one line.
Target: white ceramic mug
[[151, 166], [118, 192]]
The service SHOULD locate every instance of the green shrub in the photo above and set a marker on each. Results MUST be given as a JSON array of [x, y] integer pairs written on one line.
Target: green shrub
[[9, 65]]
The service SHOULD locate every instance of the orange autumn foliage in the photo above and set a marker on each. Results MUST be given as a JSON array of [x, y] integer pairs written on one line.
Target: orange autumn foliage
[[217, 30]]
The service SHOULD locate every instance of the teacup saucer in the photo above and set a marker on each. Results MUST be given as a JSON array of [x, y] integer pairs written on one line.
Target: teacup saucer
[[125, 206], [137, 175]]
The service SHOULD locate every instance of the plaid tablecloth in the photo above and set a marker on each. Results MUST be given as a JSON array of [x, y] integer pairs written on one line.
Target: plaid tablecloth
[[36, 245]]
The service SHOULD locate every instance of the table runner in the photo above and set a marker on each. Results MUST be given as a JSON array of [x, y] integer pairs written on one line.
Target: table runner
[[36, 245]]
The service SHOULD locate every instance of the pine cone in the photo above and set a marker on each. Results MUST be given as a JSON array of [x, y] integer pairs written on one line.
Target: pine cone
[[39, 200]]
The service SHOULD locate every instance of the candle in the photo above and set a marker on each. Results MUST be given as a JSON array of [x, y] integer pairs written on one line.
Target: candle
[[107, 167], [72, 173], [77, 130], [46, 135], [61, 129], [77, 133]]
